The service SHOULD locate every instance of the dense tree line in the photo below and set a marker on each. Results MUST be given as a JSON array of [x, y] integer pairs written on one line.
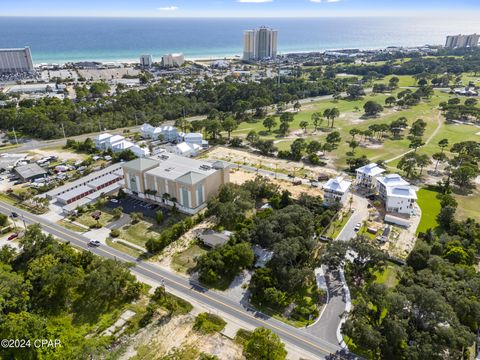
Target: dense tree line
[[455, 110], [434, 311], [470, 62], [288, 229], [51, 290], [46, 118]]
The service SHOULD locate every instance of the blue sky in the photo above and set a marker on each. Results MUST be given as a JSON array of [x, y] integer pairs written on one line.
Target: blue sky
[[235, 8]]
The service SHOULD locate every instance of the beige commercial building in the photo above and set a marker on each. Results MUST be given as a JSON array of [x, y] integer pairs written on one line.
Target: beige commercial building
[[171, 179]]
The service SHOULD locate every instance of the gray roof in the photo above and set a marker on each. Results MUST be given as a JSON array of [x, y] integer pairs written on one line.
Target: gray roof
[[102, 180], [141, 164], [220, 164], [85, 179], [213, 239], [191, 178], [74, 193], [173, 167], [30, 170]]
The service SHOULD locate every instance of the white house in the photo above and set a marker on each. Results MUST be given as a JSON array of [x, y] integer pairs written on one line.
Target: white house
[[195, 138], [398, 195], [336, 190], [101, 140], [184, 149], [167, 132], [147, 131], [140, 151], [118, 143], [367, 174]]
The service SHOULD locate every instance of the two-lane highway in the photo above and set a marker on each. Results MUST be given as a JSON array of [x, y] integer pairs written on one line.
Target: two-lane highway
[[209, 298]]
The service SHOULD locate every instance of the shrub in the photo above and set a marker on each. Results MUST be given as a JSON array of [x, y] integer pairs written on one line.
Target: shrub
[[3, 220], [159, 217], [209, 323], [114, 233], [96, 225]]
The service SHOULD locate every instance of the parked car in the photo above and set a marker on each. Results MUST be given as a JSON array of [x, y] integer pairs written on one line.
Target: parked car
[[115, 201], [357, 227], [13, 236], [94, 243]]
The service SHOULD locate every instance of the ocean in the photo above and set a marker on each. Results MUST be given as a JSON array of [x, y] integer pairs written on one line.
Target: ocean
[[59, 40]]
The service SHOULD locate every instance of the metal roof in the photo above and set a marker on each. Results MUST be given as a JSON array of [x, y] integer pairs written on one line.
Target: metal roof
[[141, 164], [30, 170]]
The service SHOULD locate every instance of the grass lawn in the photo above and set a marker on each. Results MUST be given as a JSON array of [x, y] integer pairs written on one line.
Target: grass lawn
[[454, 133], [336, 227], [186, 260], [350, 113], [430, 205], [123, 247], [404, 80], [468, 205], [364, 231], [8, 199], [140, 232], [389, 276], [87, 219], [70, 226], [145, 229]]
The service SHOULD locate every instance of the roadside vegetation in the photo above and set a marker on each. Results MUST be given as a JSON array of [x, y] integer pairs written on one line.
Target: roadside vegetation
[[287, 280], [51, 288], [422, 309]]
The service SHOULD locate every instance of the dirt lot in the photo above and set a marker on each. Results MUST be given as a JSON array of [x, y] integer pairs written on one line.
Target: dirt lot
[[157, 340], [62, 154], [240, 176], [250, 159], [107, 74]]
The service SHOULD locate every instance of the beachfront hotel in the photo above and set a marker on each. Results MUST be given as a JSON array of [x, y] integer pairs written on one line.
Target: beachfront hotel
[[146, 60], [462, 41], [16, 61], [170, 60], [259, 44], [170, 179]]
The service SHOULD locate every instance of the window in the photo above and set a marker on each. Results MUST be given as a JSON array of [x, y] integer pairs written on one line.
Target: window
[[199, 195]]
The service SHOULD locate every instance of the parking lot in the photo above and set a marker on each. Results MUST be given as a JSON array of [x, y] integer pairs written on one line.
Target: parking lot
[[130, 205]]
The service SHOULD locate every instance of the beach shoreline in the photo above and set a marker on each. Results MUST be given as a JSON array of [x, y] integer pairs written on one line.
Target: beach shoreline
[[206, 58]]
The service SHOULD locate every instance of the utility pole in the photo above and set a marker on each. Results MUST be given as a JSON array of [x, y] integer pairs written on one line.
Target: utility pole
[[15, 135], [99, 126], [63, 129]]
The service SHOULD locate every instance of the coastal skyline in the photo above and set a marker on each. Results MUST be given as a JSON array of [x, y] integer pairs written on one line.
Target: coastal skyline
[[61, 40], [237, 8]]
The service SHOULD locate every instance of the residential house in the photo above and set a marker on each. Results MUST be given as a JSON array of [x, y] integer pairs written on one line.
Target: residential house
[[336, 191], [399, 197], [367, 174]]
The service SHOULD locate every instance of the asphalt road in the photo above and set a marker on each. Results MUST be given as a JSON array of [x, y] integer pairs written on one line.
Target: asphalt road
[[360, 214], [211, 299]]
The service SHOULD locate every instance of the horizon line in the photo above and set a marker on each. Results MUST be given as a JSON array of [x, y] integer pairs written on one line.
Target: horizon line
[[226, 17]]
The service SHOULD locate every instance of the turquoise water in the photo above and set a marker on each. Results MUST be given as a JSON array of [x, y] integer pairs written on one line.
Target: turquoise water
[[73, 39]]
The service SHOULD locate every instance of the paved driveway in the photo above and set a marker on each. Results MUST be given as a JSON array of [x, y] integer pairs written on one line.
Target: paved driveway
[[326, 327], [360, 204]]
